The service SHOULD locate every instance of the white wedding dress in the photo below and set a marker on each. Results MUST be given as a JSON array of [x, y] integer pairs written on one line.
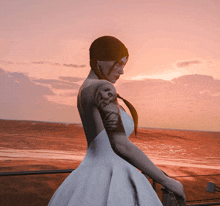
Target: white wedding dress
[[105, 179]]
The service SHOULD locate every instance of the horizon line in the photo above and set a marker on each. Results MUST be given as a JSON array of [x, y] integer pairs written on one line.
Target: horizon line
[[80, 124]]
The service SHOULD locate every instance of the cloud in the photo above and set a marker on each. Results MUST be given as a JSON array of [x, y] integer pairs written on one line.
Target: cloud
[[187, 85], [74, 65], [46, 81], [195, 79], [2, 72], [65, 86], [186, 102], [182, 64], [58, 64], [58, 84], [71, 79], [69, 94], [18, 86], [6, 62], [40, 62], [23, 99], [46, 62]]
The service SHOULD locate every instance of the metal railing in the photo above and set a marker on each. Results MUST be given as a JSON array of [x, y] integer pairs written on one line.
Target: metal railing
[[168, 198], [39, 172]]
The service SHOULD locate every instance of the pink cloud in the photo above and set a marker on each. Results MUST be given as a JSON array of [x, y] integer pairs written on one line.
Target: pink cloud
[[22, 99], [187, 63]]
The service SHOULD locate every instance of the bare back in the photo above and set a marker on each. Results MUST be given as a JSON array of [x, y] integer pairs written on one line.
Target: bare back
[[89, 114]]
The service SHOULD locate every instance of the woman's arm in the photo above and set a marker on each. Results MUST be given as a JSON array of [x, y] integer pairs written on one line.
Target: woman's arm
[[106, 102]]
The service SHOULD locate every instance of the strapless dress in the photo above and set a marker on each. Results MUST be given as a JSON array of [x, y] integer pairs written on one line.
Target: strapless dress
[[105, 179]]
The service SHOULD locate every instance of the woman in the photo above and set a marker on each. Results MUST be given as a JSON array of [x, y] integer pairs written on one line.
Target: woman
[[108, 174]]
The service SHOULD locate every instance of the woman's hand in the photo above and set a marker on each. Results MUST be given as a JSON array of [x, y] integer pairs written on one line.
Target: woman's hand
[[176, 187]]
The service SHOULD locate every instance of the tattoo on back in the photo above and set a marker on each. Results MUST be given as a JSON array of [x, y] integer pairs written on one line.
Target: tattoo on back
[[106, 101]]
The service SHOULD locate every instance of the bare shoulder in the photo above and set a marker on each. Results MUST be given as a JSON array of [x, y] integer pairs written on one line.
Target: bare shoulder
[[93, 91], [101, 96]]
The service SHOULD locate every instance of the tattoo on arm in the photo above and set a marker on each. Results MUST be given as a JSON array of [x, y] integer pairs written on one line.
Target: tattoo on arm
[[106, 102]]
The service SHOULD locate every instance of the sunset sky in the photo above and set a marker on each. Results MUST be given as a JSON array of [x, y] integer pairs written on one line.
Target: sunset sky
[[172, 76]]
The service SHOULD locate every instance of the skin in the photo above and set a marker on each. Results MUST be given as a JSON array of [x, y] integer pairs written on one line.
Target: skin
[[118, 69], [99, 109]]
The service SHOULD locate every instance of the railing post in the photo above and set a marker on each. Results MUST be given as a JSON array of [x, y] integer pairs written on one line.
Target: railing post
[[155, 185], [168, 198], [211, 187]]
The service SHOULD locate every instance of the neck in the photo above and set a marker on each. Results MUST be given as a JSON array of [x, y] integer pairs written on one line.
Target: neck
[[92, 75], [96, 75]]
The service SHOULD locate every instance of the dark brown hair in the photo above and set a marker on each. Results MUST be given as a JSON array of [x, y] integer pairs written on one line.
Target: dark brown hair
[[109, 48]]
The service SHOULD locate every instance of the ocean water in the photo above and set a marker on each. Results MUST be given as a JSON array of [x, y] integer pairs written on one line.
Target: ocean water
[[23, 140]]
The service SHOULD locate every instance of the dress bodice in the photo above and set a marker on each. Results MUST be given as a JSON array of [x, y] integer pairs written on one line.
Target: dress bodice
[[127, 122], [101, 146]]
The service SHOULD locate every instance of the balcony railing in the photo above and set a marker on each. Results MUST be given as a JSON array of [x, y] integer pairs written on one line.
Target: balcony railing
[[168, 198]]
